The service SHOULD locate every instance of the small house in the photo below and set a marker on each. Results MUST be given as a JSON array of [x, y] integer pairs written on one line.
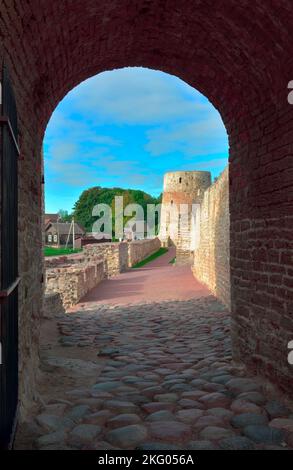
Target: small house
[[60, 233]]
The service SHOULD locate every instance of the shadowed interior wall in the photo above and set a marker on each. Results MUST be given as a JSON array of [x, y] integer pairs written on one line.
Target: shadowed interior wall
[[237, 53]]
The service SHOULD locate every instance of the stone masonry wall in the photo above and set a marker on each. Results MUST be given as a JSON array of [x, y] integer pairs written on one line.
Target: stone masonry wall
[[72, 276], [212, 257], [113, 255], [141, 249], [66, 260], [72, 283], [181, 188]]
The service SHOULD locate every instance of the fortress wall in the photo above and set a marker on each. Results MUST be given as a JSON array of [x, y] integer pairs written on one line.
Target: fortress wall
[[141, 249], [212, 257], [181, 187]]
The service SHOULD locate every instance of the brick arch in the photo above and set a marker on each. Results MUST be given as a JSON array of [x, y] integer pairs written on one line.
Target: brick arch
[[230, 51], [237, 53]]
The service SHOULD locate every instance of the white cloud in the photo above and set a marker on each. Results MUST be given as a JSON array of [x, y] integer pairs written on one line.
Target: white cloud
[[189, 138], [137, 96]]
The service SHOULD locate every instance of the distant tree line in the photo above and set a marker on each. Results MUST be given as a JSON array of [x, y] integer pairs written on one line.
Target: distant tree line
[[82, 210]]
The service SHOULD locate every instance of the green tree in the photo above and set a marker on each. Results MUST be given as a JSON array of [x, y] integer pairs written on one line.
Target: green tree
[[64, 215], [97, 195]]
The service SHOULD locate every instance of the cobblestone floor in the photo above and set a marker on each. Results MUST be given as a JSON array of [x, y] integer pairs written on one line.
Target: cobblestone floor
[[154, 376]]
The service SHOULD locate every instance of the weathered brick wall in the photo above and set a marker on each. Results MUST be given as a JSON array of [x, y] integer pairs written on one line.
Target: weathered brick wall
[[212, 257], [261, 190], [50, 47], [141, 249]]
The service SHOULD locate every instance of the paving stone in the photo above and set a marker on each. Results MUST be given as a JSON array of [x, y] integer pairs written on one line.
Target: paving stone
[[56, 446], [276, 409], [115, 363], [79, 393], [181, 388], [240, 385], [83, 434], [189, 415], [123, 420], [53, 423], [187, 403], [221, 413], [99, 418], [105, 386], [208, 420], [222, 379], [121, 406], [236, 443], [78, 412], [163, 415], [157, 406], [171, 431], [158, 446], [193, 395], [247, 419], [152, 391], [93, 403], [131, 379], [134, 398], [101, 395], [282, 423], [108, 351], [215, 433], [125, 389], [103, 445], [52, 438], [213, 387], [215, 400], [200, 445], [127, 436], [254, 397], [197, 383], [166, 397], [264, 434], [243, 406]]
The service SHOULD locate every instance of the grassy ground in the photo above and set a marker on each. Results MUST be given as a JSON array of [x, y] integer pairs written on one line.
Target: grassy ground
[[50, 251], [173, 261], [160, 252]]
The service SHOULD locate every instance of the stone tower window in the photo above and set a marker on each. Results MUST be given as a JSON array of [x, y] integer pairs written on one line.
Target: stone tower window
[[180, 180]]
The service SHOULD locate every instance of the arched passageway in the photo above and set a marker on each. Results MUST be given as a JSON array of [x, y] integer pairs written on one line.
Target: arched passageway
[[237, 53]]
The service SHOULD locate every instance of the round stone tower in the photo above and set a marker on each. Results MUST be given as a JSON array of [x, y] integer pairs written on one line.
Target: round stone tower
[[181, 192]]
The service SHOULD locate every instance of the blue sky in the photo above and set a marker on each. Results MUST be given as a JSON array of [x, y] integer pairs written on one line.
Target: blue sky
[[126, 128]]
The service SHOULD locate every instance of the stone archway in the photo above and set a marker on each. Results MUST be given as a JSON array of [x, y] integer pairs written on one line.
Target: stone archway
[[238, 54]]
